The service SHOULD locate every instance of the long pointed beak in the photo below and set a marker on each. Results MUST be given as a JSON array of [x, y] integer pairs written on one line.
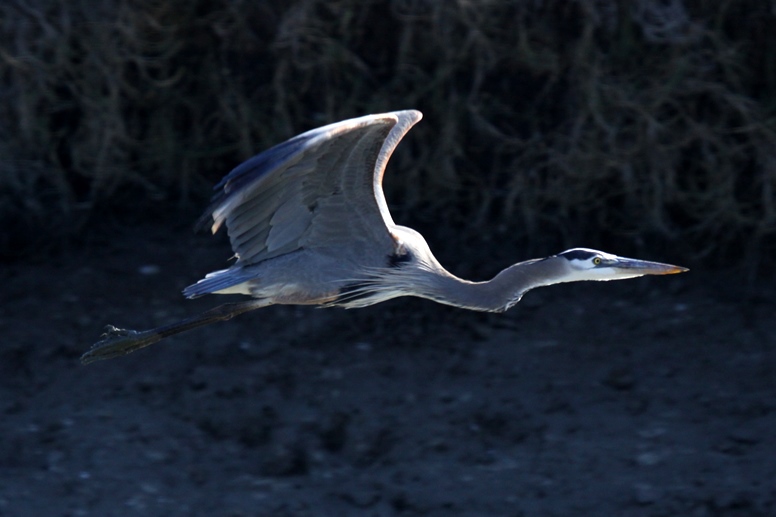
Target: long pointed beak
[[645, 267]]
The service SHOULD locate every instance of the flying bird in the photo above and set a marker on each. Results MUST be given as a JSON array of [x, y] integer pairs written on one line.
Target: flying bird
[[309, 225]]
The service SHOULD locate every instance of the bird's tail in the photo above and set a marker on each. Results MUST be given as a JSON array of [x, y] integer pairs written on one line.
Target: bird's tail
[[225, 281]]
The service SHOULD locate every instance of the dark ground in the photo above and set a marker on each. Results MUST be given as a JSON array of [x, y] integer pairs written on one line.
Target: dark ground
[[648, 397]]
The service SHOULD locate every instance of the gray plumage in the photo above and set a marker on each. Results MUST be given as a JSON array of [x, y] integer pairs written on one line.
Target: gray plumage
[[309, 224]]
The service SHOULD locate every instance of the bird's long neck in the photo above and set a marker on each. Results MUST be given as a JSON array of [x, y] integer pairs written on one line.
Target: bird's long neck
[[499, 293]]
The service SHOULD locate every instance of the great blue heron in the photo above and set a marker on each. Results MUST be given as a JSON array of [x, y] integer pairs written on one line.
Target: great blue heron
[[309, 225]]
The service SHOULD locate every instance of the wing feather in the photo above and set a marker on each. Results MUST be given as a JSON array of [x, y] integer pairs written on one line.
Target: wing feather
[[321, 189]]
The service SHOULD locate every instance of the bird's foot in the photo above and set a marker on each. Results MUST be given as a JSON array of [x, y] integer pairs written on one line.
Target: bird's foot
[[114, 332], [116, 342]]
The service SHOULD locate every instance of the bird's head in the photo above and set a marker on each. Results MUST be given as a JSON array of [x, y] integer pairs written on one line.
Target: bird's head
[[587, 264]]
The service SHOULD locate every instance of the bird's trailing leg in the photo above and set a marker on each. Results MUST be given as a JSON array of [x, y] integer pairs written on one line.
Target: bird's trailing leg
[[116, 342]]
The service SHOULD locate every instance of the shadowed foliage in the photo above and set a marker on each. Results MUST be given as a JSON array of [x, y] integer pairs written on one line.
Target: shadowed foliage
[[647, 122]]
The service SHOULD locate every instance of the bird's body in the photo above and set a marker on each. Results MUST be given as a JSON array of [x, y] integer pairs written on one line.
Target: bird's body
[[309, 225], [308, 221], [326, 277]]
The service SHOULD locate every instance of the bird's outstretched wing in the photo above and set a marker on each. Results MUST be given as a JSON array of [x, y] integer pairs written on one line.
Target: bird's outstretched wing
[[321, 189]]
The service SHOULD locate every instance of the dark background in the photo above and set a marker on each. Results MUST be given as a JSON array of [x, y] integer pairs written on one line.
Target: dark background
[[642, 128]]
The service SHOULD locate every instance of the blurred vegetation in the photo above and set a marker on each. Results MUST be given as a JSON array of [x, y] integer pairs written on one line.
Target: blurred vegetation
[[648, 122]]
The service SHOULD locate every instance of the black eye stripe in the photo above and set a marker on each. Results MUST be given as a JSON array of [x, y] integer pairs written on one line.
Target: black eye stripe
[[578, 254]]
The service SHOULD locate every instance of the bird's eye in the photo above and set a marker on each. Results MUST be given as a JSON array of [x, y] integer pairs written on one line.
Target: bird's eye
[[597, 261]]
